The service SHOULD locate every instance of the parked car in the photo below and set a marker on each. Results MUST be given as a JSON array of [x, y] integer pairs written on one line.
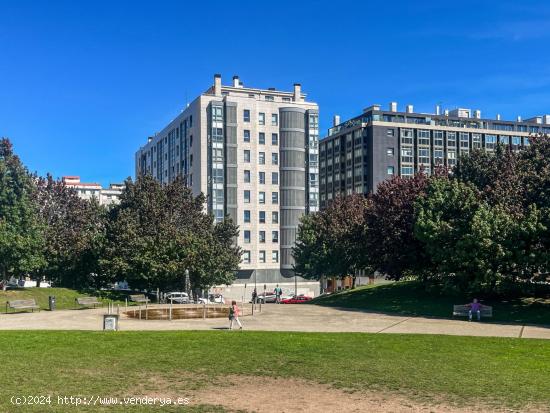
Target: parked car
[[212, 299], [270, 297], [177, 298], [300, 299]]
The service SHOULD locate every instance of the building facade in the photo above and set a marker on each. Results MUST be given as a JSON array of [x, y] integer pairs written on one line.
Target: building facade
[[105, 196], [254, 153], [357, 155]]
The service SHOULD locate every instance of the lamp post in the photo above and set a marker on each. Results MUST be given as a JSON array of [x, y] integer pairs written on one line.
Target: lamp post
[[186, 285]]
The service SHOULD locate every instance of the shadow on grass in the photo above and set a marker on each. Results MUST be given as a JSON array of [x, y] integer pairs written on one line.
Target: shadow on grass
[[409, 298]]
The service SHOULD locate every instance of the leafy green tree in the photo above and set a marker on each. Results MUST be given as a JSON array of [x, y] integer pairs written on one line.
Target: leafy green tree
[[328, 243], [74, 234], [159, 231], [20, 232]]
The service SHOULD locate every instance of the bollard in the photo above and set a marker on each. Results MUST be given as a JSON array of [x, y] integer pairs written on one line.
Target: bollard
[[204, 311], [126, 303], [170, 310], [117, 309], [146, 312]]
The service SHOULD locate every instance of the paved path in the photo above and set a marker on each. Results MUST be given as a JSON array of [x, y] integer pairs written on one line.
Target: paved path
[[278, 318]]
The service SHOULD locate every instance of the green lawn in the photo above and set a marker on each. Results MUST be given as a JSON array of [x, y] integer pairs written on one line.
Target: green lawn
[[409, 298], [471, 371], [65, 298]]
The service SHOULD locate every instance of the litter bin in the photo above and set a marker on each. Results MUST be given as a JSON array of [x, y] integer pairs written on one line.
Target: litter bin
[[51, 302], [110, 322]]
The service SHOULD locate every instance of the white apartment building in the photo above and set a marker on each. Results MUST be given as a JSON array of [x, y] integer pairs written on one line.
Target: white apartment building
[[254, 153], [105, 196]]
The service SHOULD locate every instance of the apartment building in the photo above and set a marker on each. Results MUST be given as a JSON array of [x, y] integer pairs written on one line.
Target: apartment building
[[87, 190], [360, 153], [254, 153]]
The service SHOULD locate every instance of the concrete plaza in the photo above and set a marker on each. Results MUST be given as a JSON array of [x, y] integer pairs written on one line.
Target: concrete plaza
[[273, 317]]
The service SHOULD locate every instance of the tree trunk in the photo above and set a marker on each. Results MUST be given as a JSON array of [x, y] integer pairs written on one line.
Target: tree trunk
[[353, 279]]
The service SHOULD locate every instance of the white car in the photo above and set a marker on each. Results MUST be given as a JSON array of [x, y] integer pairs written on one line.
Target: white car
[[177, 298], [212, 299]]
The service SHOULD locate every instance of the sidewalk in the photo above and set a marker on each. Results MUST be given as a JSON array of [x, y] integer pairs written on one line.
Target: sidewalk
[[307, 318]]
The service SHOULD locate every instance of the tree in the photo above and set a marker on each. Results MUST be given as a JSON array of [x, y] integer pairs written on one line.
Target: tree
[[390, 244], [473, 246], [74, 233], [159, 231], [20, 233], [329, 242]]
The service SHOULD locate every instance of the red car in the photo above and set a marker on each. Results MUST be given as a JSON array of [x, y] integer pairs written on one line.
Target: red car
[[300, 299]]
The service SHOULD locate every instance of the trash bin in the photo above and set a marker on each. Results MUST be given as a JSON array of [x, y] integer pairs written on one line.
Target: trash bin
[[51, 302], [110, 322]]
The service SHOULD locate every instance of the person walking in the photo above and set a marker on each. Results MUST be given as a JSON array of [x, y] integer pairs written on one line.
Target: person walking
[[278, 293], [254, 296], [234, 315]]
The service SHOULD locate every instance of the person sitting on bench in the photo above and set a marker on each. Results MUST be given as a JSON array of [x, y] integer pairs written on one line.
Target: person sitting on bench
[[475, 307]]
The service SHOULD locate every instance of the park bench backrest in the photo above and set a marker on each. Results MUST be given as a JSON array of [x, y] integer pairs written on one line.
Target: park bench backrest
[[138, 297], [486, 310], [22, 303], [87, 300]]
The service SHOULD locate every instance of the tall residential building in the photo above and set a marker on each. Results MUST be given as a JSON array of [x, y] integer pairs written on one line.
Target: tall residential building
[[105, 196], [254, 153], [360, 153]]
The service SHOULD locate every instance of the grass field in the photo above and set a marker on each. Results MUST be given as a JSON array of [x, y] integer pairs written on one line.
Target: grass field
[[506, 372], [65, 298], [409, 298]]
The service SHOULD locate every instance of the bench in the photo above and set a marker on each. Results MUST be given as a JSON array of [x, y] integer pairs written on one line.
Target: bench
[[87, 301], [22, 305], [463, 310], [139, 298]]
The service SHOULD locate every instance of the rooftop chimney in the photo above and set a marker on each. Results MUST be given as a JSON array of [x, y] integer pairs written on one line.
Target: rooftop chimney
[[446, 112], [149, 139], [410, 109], [217, 84], [498, 116], [336, 120], [477, 114], [437, 110], [393, 106], [235, 81], [547, 119], [519, 119], [297, 92]]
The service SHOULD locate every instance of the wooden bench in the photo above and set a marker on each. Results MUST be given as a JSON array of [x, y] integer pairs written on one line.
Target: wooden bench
[[22, 305], [87, 301], [464, 310], [139, 298]]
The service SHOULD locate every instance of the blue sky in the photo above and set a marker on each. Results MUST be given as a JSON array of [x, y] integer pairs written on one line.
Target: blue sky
[[82, 84]]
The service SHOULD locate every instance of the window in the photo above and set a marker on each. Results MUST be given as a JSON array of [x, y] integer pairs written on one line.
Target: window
[[262, 256], [190, 140], [407, 136], [246, 135], [476, 140], [389, 151], [390, 132], [247, 197], [261, 118], [246, 115], [261, 176], [406, 154], [274, 119], [275, 158], [275, 178], [275, 237], [274, 139], [464, 140], [406, 171], [490, 141], [247, 156], [246, 257], [423, 137], [246, 235], [261, 158], [274, 197], [261, 197], [438, 138], [191, 121], [261, 237], [261, 217], [275, 217], [275, 256], [390, 170], [261, 138], [246, 215], [247, 176]]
